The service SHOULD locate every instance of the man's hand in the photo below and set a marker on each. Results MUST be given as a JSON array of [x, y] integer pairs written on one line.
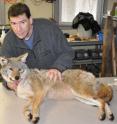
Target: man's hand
[[54, 74]]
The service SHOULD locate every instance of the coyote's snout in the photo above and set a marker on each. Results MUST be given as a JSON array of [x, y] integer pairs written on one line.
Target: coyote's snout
[[34, 85]]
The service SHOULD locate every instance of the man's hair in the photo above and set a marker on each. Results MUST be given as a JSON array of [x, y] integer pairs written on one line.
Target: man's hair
[[18, 9]]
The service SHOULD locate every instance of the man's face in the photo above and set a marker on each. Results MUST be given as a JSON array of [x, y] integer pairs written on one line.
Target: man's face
[[21, 25]]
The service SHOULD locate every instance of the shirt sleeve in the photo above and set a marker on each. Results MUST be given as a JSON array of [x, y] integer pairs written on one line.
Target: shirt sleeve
[[63, 50]]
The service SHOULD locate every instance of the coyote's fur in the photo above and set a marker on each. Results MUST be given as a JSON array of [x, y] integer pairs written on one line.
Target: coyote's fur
[[34, 85]]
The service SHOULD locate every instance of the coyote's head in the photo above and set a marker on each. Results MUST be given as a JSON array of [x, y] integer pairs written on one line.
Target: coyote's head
[[12, 69]]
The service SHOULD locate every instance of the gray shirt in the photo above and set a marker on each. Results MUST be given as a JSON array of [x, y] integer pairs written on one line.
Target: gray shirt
[[50, 47]]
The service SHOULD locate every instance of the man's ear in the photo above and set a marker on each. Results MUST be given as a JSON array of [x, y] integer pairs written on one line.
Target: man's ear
[[3, 61], [23, 57], [31, 20]]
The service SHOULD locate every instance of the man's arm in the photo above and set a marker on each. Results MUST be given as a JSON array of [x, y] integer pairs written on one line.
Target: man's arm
[[64, 54], [63, 51]]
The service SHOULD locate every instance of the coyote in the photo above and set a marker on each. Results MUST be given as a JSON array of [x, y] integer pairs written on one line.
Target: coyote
[[34, 85]]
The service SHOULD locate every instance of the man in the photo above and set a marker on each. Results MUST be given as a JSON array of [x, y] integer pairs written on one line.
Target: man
[[43, 40]]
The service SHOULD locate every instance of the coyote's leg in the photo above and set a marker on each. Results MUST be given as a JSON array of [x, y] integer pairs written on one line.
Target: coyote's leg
[[101, 111], [109, 112], [37, 100], [27, 109], [98, 102]]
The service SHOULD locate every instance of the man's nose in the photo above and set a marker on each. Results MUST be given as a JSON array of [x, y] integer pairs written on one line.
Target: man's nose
[[18, 28]]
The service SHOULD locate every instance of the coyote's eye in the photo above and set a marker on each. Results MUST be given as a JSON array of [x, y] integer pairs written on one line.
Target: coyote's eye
[[21, 70], [11, 69]]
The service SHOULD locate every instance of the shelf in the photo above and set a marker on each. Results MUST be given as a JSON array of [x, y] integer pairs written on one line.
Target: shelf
[[85, 43], [86, 62], [114, 18], [92, 62]]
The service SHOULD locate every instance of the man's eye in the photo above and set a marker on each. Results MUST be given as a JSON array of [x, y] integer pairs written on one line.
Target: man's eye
[[23, 22], [12, 23]]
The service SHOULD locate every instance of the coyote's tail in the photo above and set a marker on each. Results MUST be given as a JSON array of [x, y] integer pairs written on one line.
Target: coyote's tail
[[110, 90]]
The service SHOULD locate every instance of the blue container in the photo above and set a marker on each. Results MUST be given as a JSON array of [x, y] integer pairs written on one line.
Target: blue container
[[100, 36]]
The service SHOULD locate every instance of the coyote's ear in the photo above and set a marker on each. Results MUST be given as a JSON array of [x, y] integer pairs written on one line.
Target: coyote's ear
[[23, 57], [3, 61]]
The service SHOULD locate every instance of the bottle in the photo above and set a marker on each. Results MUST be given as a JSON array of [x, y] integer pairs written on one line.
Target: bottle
[[116, 11], [2, 35], [100, 36]]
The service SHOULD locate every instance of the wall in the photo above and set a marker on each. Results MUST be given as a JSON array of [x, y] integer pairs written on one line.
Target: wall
[[44, 9], [110, 4], [2, 8]]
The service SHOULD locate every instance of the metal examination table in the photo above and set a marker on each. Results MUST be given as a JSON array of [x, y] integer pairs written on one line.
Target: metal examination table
[[53, 112]]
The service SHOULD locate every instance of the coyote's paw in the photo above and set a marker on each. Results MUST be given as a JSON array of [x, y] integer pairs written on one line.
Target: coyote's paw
[[102, 116], [111, 117], [35, 120], [28, 115]]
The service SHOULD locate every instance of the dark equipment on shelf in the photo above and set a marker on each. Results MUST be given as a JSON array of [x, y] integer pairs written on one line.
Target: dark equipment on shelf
[[88, 56]]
